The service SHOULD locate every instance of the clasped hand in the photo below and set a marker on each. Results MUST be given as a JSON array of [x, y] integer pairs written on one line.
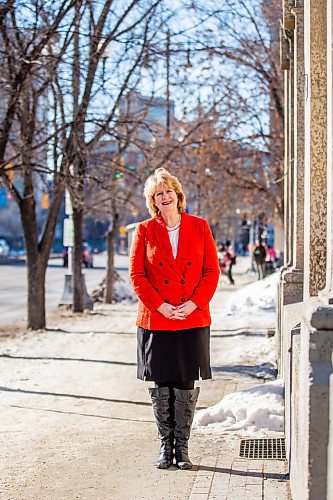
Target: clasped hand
[[177, 312]]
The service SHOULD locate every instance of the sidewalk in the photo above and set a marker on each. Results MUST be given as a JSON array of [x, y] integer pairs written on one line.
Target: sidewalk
[[77, 423], [223, 475]]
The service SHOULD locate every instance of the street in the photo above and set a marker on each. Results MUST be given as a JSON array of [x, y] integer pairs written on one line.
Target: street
[[13, 290]]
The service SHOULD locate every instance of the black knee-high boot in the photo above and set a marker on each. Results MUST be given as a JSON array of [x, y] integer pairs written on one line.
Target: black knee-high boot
[[185, 403], [160, 397]]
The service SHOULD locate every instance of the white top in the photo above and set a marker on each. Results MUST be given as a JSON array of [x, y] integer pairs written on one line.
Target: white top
[[174, 238]]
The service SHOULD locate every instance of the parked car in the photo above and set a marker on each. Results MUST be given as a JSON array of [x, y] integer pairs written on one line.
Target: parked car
[[87, 255], [4, 248]]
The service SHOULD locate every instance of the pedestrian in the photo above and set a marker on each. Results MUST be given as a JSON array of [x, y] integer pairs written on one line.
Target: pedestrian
[[174, 271], [230, 259], [221, 257], [259, 257], [270, 261]]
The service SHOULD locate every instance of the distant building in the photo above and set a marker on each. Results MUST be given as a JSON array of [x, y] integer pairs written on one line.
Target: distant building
[[111, 160], [152, 111]]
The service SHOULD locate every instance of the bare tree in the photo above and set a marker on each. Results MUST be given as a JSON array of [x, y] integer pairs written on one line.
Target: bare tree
[[232, 74], [26, 31], [62, 91], [246, 48], [106, 56]]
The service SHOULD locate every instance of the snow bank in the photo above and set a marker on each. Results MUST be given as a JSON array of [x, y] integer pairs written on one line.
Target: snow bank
[[253, 306], [123, 291], [255, 411]]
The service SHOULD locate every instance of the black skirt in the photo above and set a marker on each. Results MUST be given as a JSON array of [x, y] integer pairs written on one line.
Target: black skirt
[[167, 356]]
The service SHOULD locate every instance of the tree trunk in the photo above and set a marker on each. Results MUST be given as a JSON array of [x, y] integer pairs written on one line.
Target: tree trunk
[[110, 261], [78, 302], [38, 255], [36, 294]]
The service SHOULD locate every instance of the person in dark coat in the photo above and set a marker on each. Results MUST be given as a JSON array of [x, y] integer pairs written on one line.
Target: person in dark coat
[[259, 257], [230, 261], [174, 271]]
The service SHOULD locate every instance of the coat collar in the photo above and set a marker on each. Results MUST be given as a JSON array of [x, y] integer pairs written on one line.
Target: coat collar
[[164, 244]]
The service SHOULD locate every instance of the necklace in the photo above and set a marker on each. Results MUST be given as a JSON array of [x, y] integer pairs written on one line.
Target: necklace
[[173, 228]]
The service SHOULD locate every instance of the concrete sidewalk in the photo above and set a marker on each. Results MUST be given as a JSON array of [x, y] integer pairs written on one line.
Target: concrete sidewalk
[[225, 476], [76, 422], [221, 473]]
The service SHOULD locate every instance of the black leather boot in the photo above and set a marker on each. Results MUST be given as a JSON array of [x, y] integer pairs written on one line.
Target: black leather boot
[[185, 403], [160, 397]]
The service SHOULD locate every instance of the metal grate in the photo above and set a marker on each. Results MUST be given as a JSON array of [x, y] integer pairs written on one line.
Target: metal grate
[[268, 448]]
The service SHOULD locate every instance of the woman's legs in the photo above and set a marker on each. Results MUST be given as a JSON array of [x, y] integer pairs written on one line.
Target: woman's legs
[[185, 403], [182, 399], [163, 411], [231, 279]]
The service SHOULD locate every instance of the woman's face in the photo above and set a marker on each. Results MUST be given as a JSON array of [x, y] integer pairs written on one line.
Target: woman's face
[[165, 199]]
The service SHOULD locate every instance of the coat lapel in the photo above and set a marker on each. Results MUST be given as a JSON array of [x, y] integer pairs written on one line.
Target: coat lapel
[[164, 244], [185, 240]]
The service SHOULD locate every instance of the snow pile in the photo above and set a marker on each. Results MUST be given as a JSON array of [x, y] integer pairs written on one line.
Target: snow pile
[[253, 305], [123, 291], [255, 411]]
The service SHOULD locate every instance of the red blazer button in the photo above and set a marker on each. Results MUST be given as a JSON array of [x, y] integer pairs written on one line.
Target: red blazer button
[[182, 299], [166, 282], [183, 282]]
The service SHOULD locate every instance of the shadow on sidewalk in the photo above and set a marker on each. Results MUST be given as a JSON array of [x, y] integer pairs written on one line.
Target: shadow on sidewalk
[[241, 333], [46, 358], [93, 415], [264, 370], [94, 332], [264, 475], [74, 396]]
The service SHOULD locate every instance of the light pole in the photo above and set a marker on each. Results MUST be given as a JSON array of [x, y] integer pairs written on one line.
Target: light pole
[[68, 241]]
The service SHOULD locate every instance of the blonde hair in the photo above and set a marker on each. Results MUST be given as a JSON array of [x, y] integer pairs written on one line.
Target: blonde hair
[[162, 176]]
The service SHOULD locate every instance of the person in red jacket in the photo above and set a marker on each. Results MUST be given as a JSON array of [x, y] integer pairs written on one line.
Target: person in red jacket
[[174, 271]]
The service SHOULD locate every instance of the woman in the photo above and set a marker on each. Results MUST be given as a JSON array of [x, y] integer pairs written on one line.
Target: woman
[[174, 271]]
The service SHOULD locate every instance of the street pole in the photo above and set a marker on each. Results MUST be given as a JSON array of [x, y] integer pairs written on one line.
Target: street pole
[[68, 241]]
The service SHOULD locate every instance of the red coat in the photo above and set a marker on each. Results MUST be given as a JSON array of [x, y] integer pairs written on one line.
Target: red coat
[[157, 277]]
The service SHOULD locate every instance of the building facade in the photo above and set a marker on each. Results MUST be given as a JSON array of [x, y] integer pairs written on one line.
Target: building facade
[[305, 317]]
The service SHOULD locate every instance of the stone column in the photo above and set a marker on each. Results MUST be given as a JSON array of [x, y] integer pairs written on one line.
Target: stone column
[[298, 247], [317, 325], [329, 267], [287, 64], [315, 235], [291, 280], [293, 275], [320, 437]]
